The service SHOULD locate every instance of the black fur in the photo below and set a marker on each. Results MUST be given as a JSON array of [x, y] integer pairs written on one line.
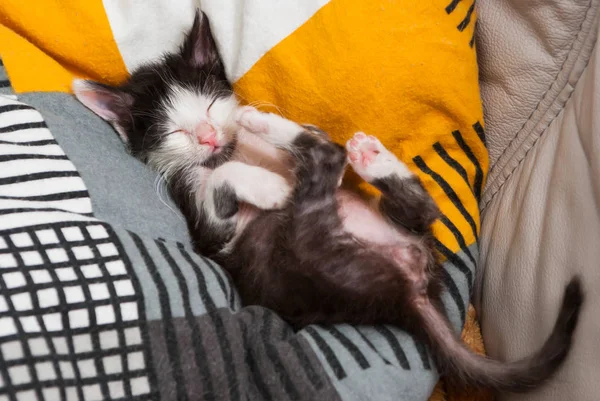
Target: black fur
[[301, 263], [226, 203], [209, 240], [406, 203]]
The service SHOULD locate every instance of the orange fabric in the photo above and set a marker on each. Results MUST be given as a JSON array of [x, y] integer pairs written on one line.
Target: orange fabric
[[44, 45], [400, 71]]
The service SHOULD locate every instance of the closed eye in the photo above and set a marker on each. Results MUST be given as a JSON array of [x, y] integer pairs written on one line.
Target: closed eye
[[176, 131]]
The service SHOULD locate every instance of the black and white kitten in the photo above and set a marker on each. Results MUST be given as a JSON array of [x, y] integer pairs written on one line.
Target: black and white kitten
[[262, 196]]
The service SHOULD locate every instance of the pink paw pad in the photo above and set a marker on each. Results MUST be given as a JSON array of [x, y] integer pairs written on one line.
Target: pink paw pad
[[363, 149]]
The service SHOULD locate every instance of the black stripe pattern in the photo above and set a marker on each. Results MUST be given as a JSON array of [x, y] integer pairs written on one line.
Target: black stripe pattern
[[169, 328], [13, 107], [467, 18], [465, 22], [22, 126], [448, 190], [478, 184], [5, 86], [480, 132], [36, 173], [332, 360], [253, 354], [460, 267]]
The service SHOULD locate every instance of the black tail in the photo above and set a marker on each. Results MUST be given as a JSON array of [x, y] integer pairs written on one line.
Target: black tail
[[468, 368]]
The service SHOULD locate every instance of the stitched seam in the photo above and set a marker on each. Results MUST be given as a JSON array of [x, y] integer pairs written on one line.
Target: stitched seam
[[536, 139], [561, 70]]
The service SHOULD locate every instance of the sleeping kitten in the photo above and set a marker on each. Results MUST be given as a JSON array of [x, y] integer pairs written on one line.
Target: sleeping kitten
[[261, 195]]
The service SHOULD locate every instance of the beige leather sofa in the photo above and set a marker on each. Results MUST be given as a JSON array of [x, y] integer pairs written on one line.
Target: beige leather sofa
[[540, 82]]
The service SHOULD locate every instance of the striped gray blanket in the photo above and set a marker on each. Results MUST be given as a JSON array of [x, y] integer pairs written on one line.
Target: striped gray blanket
[[101, 297]]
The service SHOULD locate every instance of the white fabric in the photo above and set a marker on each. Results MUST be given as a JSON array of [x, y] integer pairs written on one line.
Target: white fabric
[[244, 29], [34, 171], [145, 29]]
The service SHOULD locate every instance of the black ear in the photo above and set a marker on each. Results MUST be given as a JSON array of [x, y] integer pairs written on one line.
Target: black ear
[[110, 103], [199, 47]]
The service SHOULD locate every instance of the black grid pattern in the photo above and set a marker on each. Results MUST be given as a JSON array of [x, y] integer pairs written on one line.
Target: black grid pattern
[[69, 317]]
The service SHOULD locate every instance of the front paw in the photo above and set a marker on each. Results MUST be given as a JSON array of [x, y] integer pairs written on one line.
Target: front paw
[[252, 120], [274, 193]]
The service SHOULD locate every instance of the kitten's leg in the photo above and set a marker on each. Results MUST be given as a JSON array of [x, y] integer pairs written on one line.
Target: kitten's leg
[[235, 181], [320, 163], [271, 127], [214, 215], [405, 201]]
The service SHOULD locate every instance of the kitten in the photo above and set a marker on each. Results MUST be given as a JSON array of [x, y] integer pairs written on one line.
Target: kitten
[[262, 196]]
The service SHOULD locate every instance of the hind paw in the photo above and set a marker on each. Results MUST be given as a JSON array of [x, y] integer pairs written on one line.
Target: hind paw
[[371, 160]]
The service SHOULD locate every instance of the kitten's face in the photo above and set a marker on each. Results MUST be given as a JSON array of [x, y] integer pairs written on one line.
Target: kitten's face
[[193, 126], [176, 113]]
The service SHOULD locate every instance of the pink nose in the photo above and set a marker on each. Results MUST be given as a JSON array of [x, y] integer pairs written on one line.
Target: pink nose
[[206, 134]]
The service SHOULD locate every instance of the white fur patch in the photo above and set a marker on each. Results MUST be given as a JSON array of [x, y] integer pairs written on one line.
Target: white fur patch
[[365, 222], [177, 151], [187, 108], [254, 185], [273, 128]]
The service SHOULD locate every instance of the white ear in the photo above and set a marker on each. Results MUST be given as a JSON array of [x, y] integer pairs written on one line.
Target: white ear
[[111, 104]]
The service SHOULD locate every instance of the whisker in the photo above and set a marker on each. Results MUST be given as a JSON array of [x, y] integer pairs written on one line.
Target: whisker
[[259, 103], [159, 191]]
